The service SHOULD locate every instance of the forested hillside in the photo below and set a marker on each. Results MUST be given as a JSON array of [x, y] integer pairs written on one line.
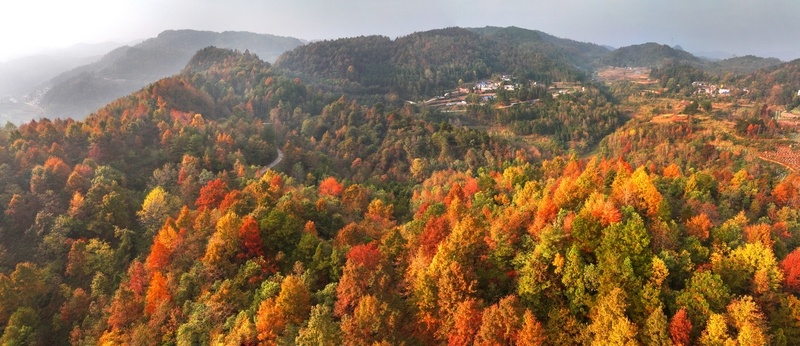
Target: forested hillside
[[649, 55], [777, 84], [742, 65], [583, 54], [556, 214], [419, 65]]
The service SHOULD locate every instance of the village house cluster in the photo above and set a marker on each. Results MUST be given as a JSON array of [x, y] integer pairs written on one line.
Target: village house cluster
[[712, 89], [485, 91], [505, 82]]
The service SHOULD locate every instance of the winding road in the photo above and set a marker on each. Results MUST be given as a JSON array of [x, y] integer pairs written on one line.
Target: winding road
[[271, 164], [277, 160]]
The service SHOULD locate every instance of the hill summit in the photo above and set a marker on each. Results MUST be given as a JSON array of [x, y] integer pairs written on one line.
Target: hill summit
[[649, 55]]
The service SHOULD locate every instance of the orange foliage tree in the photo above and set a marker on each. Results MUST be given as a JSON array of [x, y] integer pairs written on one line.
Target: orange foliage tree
[[125, 308], [532, 332], [501, 323], [157, 293], [250, 235], [468, 315], [436, 230], [680, 328], [791, 271], [164, 244], [761, 233], [358, 277], [212, 194], [270, 322], [330, 187], [699, 226]]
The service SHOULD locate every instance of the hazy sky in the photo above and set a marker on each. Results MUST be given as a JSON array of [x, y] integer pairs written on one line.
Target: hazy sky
[[760, 27]]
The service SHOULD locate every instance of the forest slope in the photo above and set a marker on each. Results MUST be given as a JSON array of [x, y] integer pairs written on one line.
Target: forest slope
[[147, 223], [649, 55], [421, 64], [582, 54], [742, 65]]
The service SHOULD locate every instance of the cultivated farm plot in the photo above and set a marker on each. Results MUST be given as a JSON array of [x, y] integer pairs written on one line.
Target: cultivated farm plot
[[785, 156], [789, 118], [793, 115], [640, 75], [668, 118]]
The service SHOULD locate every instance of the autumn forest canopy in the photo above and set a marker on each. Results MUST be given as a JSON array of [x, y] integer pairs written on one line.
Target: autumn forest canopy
[[494, 186]]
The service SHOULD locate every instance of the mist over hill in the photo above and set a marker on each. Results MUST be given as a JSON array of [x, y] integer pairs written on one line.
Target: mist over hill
[[22, 75], [78, 92]]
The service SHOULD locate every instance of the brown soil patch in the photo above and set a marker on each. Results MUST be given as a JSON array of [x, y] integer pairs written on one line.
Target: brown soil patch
[[640, 75], [668, 118]]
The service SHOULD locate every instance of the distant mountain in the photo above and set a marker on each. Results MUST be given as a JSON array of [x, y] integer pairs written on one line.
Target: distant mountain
[[715, 55], [658, 55], [84, 49], [19, 77], [78, 92], [649, 55], [742, 65], [426, 63]]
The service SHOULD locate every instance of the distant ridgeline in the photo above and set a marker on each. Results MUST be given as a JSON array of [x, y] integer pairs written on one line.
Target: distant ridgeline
[[83, 90], [432, 62], [411, 67]]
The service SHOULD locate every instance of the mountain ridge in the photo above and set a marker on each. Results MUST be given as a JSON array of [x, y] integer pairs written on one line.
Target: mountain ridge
[[422, 63], [649, 54], [129, 68], [408, 67]]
